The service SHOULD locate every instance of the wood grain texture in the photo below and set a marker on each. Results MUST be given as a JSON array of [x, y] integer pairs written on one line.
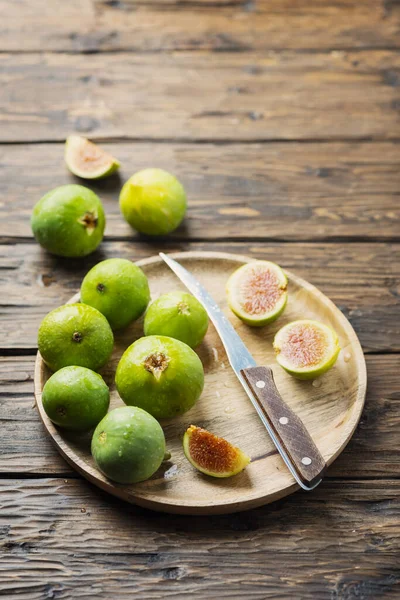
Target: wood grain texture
[[372, 452], [66, 539], [187, 96], [329, 408], [281, 191], [37, 282], [146, 577], [69, 515], [213, 25]]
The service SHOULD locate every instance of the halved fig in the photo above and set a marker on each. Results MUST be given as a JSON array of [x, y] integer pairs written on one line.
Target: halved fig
[[306, 349], [257, 292], [85, 159], [211, 454]]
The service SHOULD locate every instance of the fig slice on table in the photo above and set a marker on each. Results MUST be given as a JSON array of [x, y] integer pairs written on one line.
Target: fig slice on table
[[257, 292], [211, 454], [85, 159], [306, 349]]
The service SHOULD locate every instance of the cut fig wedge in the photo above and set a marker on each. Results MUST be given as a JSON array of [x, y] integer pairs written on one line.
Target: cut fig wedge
[[257, 292], [211, 454], [306, 349], [85, 159]]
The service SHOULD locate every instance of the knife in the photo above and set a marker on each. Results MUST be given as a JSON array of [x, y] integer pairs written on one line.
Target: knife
[[287, 431]]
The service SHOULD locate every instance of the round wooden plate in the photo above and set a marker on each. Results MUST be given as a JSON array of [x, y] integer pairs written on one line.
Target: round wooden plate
[[330, 406]]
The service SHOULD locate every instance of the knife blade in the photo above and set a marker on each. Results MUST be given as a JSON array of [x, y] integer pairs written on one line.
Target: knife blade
[[287, 431]]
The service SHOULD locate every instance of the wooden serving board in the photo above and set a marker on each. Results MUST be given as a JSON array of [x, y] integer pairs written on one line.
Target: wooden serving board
[[330, 407]]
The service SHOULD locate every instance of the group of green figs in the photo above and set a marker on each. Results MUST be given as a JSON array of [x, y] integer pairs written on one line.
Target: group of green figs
[[159, 376], [70, 221]]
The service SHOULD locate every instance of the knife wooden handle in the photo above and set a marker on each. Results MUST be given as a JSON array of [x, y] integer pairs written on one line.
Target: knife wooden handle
[[287, 426]]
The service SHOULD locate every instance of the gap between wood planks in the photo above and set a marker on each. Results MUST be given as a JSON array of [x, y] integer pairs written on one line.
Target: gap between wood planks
[[17, 475], [6, 352], [10, 240], [210, 141], [225, 50]]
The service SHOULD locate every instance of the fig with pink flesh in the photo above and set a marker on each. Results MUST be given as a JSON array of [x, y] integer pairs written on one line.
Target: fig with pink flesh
[[211, 454], [257, 292], [85, 159], [306, 349]]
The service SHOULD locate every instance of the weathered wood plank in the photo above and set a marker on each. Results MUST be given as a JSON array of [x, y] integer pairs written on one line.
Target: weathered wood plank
[[239, 25], [374, 446], [234, 96], [281, 191], [36, 282], [340, 576], [372, 452], [62, 515]]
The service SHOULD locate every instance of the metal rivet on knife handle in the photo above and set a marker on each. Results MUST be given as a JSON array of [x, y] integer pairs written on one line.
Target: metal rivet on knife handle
[[287, 426]]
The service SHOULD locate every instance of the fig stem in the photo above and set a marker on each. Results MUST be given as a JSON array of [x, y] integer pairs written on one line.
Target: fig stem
[[89, 221], [156, 363], [167, 456], [183, 308]]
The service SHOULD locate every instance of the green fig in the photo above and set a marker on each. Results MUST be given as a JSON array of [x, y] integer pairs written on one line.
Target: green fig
[[69, 221], [75, 334], [162, 375], [75, 398], [118, 289], [153, 202], [178, 315], [128, 445]]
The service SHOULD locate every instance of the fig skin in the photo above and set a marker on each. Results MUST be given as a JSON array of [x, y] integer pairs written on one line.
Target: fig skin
[[75, 398], [178, 315], [311, 372], [75, 335], [128, 445], [82, 157], [118, 289], [215, 455], [234, 282], [69, 221], [153, 202], [161, 375]]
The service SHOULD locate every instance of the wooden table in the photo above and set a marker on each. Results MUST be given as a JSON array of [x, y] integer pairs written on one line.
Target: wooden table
[[281, 117]]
